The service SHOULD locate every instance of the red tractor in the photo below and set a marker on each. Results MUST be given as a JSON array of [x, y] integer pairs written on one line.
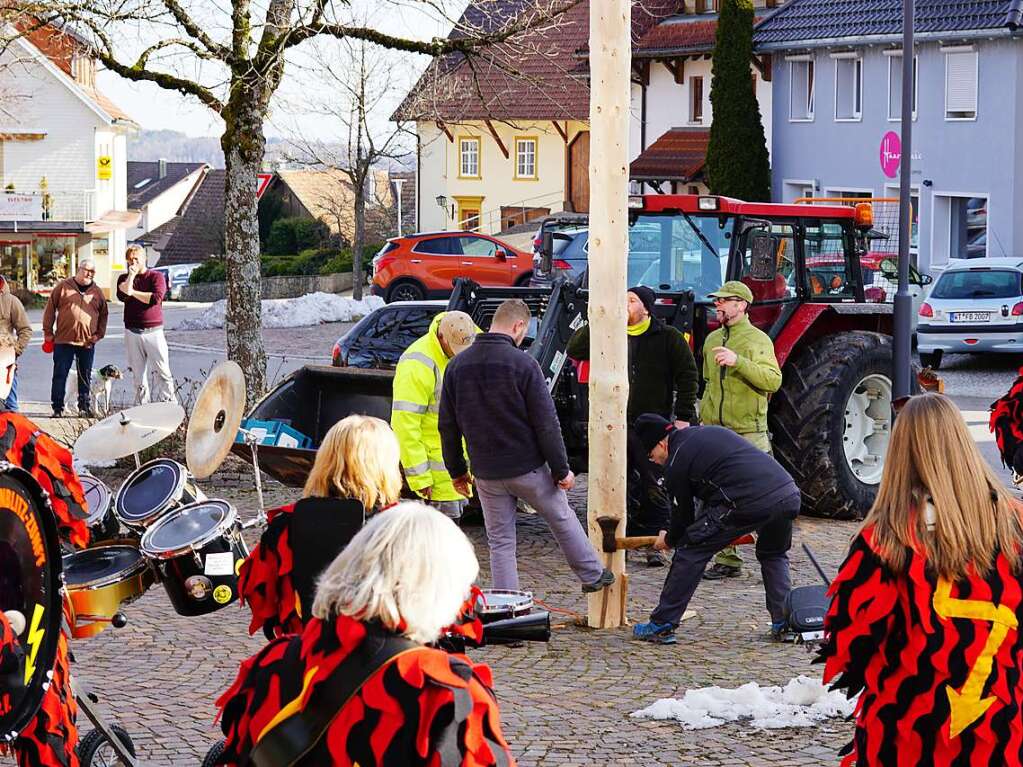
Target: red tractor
[[831, 420]]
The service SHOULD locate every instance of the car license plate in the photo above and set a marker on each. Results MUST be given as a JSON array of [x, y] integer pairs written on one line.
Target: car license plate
[[970, 316]]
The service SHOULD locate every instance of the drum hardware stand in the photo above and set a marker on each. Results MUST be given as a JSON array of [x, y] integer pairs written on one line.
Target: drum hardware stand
[[252, 440], [87, 702]]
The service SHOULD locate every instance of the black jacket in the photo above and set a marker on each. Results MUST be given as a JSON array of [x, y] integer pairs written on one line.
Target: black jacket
[[318, 530], [495, 397], [720, 468], [662, 371]]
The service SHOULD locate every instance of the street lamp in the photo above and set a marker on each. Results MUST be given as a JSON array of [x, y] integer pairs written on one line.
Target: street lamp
[[442, 201], [903, 300]]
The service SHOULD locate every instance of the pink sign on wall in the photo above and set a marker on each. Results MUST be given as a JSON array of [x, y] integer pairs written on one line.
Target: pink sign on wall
[[891, 154]]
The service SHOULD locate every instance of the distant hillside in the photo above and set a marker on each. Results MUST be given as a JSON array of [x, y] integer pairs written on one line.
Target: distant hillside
[[174, 146]]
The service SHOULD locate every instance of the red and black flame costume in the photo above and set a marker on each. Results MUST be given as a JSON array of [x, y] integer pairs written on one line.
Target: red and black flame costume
[[938, 665], [425, 707], [1007, 424], [50, 738], [265, 583]]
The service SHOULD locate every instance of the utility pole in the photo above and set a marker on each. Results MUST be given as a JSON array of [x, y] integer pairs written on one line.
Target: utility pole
[[610, 61], [903, 300]]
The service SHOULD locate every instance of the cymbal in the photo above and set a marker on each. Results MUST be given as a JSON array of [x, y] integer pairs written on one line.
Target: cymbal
[[129, 431], [215, 419]]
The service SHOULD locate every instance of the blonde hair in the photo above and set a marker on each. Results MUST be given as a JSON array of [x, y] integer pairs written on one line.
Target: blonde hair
[[410, 566], [932, 456], [359, 458]]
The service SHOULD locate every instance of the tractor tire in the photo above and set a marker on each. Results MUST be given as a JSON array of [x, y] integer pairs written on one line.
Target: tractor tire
[[831, 421]]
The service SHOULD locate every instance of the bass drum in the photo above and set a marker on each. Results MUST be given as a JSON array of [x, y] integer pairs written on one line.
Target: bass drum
[[30, 575], [197, 551]]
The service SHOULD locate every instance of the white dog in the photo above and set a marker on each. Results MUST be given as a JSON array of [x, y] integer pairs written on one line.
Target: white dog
[[99, 389]]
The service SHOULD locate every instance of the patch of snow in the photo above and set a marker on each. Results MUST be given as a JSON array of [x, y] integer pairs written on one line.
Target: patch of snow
[[310, 309], [81, 463], [801, 703]]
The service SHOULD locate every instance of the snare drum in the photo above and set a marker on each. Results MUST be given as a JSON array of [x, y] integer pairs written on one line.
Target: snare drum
[[99, 581], [197, 551], [152, 490], [99, 515], [501, 604]]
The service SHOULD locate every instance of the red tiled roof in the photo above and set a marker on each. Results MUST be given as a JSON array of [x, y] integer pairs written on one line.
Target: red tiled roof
[[536, 75], [678, 35], [678, 155]]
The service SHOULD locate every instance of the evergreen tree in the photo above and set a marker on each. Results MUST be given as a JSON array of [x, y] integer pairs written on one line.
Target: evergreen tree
[[737, 159]]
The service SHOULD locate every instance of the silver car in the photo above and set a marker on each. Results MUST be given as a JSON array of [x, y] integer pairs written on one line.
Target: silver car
[[975, 306]]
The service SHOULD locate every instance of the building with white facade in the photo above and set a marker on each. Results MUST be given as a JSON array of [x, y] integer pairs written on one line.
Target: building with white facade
[[62, 164]]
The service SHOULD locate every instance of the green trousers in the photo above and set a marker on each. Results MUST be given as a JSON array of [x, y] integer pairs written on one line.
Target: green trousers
[[729, 556]]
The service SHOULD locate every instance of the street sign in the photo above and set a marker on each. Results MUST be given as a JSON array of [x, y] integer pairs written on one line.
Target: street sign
[[262, 182], [891, 154], [15, 206]]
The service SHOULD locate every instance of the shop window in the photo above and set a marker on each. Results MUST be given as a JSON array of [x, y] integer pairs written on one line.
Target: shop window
[[967, 227], [14, 263], [52, 261], [801, 86], [848, 88]]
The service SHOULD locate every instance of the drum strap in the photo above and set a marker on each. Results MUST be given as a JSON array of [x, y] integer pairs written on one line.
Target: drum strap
[[294, 737]]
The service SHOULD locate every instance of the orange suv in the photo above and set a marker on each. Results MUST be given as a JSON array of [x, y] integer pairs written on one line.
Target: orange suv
[[424, 265]]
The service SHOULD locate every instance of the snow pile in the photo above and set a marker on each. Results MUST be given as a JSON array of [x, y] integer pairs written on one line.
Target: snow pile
[[310, 309], [800, 703]]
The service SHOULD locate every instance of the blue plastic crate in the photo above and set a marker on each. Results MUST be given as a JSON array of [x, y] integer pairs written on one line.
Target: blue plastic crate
[[275, 433]]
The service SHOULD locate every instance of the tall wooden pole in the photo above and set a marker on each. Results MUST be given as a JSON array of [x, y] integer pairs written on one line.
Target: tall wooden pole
[[610, 60]]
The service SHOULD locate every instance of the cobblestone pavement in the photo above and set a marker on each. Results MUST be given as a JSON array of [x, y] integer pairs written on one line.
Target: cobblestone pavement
[[563, 703]]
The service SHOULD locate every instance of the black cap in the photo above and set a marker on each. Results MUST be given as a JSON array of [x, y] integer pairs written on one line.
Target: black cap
[[652, 428], [646, 296]]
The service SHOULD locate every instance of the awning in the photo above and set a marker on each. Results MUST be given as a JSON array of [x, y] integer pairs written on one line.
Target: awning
[[113, 220], [678, 155]]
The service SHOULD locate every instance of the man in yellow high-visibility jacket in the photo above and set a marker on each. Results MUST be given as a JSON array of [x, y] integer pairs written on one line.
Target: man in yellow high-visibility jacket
[[416, 404]]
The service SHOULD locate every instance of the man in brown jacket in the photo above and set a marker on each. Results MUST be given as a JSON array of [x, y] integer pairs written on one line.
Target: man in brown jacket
[[13, 320], [80, 310]]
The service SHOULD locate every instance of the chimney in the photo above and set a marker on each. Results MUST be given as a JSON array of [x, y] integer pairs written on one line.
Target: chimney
[[163, 168]]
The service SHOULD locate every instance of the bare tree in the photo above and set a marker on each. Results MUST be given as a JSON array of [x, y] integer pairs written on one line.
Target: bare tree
[[358, 96], [231, 56]]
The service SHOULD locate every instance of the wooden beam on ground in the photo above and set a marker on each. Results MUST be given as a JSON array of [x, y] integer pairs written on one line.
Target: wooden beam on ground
[[610, 84], [563, 132], [493, 132], [443, 127]]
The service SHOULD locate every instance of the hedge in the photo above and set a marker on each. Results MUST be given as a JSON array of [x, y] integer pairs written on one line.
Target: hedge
[[308, 262]]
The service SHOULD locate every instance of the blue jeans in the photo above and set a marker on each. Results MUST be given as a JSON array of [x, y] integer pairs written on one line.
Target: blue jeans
[[11, 403], [64, 355]]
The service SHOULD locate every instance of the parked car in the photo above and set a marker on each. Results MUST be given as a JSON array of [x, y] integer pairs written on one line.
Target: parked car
[[177, 277], [425, 265], [563, 227], [572, 248], [973, 307], [380, 338]]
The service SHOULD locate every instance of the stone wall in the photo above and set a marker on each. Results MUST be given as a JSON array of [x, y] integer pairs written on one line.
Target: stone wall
[[274, 287]]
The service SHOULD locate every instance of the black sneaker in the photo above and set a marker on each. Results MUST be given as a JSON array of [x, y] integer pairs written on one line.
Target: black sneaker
[[606, 579], [718, 571], [57, 413], [86, 412]]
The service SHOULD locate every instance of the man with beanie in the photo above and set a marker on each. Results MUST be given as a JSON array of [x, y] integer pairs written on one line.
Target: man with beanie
[[740, 489], [740, 371], [496, 399], [662, 379]]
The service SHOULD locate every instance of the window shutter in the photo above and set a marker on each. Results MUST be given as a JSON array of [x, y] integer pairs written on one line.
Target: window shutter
[[961, 83]]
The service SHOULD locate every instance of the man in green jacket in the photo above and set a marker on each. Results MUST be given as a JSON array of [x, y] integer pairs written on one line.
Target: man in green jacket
[[662, 379], [740, 371]]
